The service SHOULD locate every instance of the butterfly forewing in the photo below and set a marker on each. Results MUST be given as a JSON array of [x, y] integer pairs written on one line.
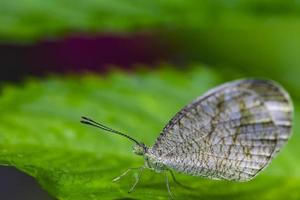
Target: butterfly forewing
[[232, 132]]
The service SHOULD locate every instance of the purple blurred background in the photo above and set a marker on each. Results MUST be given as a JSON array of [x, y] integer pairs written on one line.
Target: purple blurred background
[[81, 52]]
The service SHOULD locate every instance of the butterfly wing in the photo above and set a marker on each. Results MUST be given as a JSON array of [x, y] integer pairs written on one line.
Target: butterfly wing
[[232, 132]]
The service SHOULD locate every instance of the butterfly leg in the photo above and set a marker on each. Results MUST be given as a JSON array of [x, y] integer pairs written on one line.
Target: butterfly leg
[[177, 182], [168, 186], [125, 173], [138, 177]]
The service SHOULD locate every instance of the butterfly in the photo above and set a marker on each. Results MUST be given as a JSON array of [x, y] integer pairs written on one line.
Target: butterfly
[[232, 132]]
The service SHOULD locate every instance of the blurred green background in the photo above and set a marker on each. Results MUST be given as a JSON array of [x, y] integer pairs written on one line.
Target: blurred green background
[[132, 65]]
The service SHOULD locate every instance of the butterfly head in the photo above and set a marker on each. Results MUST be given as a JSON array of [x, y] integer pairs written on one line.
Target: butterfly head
[[139, 149]]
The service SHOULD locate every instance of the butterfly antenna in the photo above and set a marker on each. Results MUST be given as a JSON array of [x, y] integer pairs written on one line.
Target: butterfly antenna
[[91, 122]]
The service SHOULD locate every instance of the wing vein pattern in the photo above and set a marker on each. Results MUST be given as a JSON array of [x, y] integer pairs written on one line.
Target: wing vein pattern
[[232, 132]]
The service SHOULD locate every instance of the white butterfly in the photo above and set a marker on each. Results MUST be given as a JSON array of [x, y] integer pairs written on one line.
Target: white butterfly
[[232, 132]]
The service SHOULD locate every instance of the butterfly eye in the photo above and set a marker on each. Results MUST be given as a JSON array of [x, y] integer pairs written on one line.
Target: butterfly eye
[[138, 149]]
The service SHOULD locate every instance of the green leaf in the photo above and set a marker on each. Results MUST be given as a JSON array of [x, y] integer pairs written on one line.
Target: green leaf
[[40, 134], [34, 19]]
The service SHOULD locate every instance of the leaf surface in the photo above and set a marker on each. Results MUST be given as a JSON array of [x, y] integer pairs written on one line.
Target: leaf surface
[[40, 134]]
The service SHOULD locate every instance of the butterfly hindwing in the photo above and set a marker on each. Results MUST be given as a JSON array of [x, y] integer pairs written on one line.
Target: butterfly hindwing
[[232, 132]]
